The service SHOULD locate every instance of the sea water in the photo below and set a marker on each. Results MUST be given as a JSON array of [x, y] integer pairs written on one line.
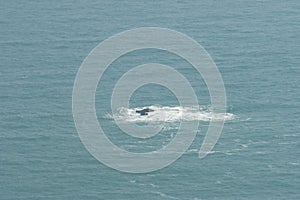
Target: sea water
[[255, 45]]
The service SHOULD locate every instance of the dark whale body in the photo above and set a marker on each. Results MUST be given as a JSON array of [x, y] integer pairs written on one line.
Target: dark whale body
[[144, 111]]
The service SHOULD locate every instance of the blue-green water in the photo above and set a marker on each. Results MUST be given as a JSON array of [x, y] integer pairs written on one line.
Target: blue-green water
[[255, 45]]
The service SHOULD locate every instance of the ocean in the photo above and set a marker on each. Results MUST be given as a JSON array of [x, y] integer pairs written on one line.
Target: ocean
[[255, 46]]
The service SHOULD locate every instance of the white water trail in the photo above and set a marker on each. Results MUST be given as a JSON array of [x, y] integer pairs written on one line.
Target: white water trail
[[169, 114]]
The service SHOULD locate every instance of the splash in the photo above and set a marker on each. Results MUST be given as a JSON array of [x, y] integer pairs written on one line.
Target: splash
[[169, 114]]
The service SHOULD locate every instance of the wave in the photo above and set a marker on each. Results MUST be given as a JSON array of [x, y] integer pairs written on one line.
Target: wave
[[169, 114]]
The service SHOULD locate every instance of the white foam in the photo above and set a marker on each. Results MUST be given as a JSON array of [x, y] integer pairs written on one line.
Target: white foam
[[169, 114]]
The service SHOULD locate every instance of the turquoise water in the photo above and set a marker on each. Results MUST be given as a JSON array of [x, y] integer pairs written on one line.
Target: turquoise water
[[255, 45]]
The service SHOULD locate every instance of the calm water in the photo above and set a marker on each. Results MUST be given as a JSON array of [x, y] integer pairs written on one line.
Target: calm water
[[256, 46]]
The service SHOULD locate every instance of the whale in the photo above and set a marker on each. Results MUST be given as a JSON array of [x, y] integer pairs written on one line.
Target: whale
[[144, 111]]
